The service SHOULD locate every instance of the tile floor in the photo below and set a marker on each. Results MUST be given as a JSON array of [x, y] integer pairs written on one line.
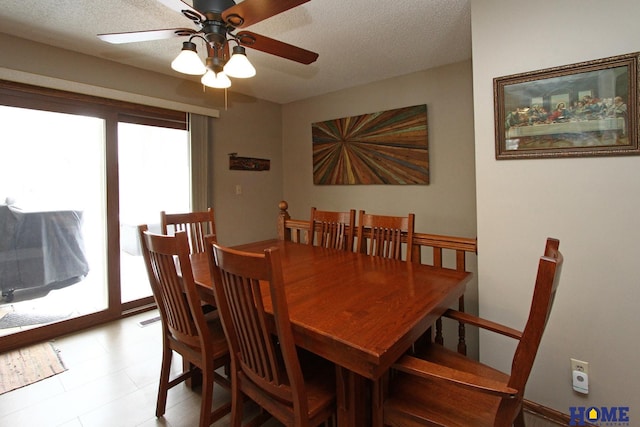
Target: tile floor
[[111, 380]]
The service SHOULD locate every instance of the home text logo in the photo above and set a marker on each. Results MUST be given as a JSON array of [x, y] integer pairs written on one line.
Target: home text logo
[[606, 416]]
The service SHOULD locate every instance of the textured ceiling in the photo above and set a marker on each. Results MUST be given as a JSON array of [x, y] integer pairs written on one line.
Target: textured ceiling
[[359, 41]]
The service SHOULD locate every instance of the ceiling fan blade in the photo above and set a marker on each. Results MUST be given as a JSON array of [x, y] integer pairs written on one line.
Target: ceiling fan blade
[[251, 11], [141, 36], [275, 47], [185, 9]]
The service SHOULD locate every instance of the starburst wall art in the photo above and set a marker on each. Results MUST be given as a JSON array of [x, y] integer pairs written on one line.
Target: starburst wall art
[[388, 147]]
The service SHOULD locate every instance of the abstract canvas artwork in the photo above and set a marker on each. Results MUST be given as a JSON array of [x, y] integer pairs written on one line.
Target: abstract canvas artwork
[[388, 147]]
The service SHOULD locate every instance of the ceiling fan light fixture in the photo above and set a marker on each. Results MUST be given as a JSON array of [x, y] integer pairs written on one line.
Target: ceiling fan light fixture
[[188, 61], [217, 22], [238, 65], [216, 80]]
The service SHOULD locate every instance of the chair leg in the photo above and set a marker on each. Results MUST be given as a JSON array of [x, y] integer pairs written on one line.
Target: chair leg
[[163, 388], [206, 403], [237, 399], [519, 421]]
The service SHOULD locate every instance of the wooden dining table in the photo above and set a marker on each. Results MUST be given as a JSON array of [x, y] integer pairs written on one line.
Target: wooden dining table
[[358, 311]]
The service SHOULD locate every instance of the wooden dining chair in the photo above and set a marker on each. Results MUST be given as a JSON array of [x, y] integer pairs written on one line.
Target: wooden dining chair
[[293, 386], [382, 235], [442, 387], [186, 329], [331, 229], [197, 225]]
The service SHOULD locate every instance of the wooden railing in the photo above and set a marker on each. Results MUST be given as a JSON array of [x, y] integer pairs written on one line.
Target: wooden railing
[[298, 231], [295, 230], [438, 244]]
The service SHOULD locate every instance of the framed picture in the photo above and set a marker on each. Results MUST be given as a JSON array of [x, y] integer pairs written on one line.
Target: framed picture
[[584, 109]]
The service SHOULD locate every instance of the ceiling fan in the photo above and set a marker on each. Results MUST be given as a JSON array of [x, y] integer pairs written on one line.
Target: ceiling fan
[[218, 21]]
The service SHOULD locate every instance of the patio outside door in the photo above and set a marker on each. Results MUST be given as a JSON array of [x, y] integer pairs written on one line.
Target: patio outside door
[[52, 217], [154, 175]]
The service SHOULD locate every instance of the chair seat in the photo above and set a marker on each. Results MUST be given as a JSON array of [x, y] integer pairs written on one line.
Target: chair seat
[[218, 339], [443, 356], [422, 409], [320, 387], [320, 382], [218, 350], [422, 399]]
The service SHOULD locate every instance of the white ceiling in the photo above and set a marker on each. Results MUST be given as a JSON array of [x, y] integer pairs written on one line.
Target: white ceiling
[[359, 41]]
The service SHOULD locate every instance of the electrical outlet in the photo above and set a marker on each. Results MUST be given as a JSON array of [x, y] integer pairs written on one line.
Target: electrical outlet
[[580, 366], [580, 376]]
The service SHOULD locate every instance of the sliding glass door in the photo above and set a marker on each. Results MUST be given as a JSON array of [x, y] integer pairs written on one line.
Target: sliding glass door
[[77, 175], [52, 217], [153, 165]]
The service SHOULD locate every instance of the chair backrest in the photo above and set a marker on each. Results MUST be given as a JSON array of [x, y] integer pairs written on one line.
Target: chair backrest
[[197, 225], [549, 269], [269, 364], [332, 229], [174, 289], [382, 235]]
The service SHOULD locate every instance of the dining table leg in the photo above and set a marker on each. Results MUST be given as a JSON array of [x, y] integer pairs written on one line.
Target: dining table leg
[[352, 399], [377, 400]]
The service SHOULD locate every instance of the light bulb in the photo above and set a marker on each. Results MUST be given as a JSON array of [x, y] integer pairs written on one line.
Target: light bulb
[[238, 65], [216, 80], [188, 61]]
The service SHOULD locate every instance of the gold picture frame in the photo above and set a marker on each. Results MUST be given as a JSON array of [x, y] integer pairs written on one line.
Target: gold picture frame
[[577, 110]]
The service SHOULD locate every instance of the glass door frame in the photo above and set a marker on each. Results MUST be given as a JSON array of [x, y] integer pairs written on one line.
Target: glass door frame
[[112, 111]]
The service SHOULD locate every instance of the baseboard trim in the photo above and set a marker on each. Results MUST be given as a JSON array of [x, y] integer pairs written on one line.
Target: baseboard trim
[[548, 414]]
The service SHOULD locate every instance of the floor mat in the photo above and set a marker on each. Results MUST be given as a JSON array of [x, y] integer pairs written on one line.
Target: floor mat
[[28, 365], [17, 319]]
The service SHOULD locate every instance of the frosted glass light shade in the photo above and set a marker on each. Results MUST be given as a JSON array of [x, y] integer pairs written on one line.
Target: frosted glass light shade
[[216, 80], [238, 65], [188, 61]]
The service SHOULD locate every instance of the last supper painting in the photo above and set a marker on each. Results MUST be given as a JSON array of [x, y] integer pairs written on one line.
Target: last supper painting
[[585, 109]]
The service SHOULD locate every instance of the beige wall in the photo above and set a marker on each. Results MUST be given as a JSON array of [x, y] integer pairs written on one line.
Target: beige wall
[[447, 205], [46, 62], [251, 128], [590, 204]]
